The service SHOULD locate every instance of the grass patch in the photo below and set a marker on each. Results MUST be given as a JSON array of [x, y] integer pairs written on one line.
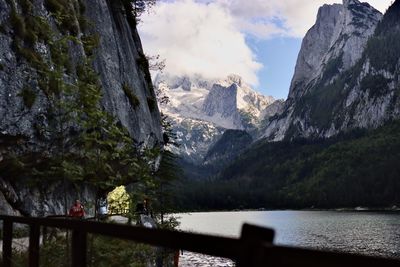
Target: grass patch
[[26, 6], [143, 64], [68, 23], [377, 85], [3, 29], [40, 27], [90, 43], [102, 252], [55, 6], [82, 7], [152, 103], [83, 23], [28, 96], [30, 55], [133, 99], [64, 14], [59, 53], [18, 24], [31, 37]]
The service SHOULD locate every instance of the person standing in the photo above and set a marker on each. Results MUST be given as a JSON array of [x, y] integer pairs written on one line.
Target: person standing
[[102, 207], [77, 210]]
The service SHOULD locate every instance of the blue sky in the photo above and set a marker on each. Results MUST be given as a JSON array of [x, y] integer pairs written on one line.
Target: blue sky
[[256, 39], [279, 56]]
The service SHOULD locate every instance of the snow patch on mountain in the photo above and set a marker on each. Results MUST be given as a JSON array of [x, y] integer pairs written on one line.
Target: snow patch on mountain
[[202, 109]]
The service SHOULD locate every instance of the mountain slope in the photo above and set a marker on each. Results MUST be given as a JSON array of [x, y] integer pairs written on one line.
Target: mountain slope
[[321, 100], [339, 128], [357, 169], [228, 147], [202, 110]]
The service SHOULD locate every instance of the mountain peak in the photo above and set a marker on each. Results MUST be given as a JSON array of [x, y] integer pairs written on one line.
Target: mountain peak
[[346, 3], [234, 78], [231, 79], [340, 33], [331, 47]]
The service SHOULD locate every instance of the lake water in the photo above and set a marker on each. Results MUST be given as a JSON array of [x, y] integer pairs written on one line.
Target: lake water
[[370, 233]]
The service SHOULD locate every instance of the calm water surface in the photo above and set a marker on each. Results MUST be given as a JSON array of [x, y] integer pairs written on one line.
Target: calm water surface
[[371, 233]]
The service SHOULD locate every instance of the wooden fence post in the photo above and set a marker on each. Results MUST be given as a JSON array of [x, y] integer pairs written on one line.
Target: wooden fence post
[[253, 237], [79, 248], [34, 245], [7, 242]]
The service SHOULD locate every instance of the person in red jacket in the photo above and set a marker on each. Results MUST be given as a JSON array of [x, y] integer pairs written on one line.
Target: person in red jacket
[[77, 210]]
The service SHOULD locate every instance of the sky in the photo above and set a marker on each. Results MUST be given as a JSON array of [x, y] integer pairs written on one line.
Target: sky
[[256, 39]]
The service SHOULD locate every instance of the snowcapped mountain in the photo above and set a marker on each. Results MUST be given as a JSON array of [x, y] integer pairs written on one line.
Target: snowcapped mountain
[[201, 110]]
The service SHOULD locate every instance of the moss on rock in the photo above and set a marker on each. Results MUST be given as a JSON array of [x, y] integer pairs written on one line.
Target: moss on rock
[[28, 96], [133, 99]]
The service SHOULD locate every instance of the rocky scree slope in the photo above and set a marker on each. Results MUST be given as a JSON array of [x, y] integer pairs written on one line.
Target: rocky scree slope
[[38, 37]]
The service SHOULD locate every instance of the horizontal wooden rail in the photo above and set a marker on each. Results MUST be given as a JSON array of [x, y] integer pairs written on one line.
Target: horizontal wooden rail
[[206, 244], [253, 248]]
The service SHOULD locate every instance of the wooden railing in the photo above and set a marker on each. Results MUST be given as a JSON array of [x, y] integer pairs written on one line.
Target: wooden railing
[[253, 248]]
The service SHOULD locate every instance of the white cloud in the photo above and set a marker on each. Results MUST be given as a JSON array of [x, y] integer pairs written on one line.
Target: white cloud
[[207, 37], [289, 18], [195, 38]]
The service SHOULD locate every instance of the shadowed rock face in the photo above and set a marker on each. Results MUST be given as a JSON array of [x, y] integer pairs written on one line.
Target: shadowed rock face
[[325, 76], [222, 100], [340, 31], [116, 61]]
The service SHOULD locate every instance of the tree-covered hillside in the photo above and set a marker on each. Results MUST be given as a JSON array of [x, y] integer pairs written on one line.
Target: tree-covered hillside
[[231, 143], [357, 169]]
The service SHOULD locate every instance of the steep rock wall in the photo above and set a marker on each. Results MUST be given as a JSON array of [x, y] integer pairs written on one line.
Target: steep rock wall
[[332, 47], [117, 58]]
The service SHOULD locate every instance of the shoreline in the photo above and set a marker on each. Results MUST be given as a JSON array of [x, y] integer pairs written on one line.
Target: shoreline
[[356, 209]]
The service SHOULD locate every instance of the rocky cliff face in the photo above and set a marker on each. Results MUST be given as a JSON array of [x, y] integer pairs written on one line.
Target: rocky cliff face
[[100, 31], [339, 34], [202, 110], [225, 110], [119, 61], [327, 82]]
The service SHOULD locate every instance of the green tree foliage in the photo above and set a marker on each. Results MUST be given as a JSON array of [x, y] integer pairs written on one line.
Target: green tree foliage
[[102, 251], [133, 99], [79, 140], [140, 6], [226, 149], [118, 200], [167, 173], [375, 84], [28, 96], [356, 169], [382, 48]]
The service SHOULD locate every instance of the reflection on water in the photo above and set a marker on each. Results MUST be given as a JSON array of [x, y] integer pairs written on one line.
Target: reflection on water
[[370, 233], [190, 259]]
